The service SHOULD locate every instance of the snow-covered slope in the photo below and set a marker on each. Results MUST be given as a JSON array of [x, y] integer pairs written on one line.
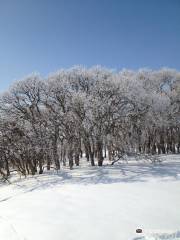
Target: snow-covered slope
[[94, 203]]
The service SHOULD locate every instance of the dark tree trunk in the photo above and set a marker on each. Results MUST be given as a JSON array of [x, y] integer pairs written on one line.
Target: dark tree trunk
[[148, 145], [70, 157], [48, 162], [90, 148], [40, 160], [153, 149], [7, 166], [86, 152], [40, 167], [110, 152], [32, 167], [81, 153], [64, 157], [77, 159], [55, 150], [92, 159], [159, 148], [100, 153]]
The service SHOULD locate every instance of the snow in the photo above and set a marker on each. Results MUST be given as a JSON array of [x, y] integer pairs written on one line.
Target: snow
[[94, 203]]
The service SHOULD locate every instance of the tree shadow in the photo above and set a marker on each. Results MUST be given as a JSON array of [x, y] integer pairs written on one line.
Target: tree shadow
[[108, 174]]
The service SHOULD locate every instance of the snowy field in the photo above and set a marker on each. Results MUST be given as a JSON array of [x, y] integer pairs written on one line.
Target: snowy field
[[95, 203]]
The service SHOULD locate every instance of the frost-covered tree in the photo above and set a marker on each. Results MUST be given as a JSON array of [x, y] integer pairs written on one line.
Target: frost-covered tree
[[96, 112]]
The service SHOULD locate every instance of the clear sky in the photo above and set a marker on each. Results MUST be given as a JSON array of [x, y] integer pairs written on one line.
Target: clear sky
[[46, 35]]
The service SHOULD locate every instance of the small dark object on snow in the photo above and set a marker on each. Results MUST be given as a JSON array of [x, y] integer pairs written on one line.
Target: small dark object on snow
[[138, 230]]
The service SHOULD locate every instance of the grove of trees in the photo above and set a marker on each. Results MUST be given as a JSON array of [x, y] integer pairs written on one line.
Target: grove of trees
[[96, 112]]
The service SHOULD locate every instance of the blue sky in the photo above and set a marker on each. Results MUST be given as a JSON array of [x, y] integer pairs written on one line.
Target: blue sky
[[46, 35]]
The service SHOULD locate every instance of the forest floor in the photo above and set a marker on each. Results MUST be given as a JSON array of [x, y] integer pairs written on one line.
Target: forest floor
[[95, 203]]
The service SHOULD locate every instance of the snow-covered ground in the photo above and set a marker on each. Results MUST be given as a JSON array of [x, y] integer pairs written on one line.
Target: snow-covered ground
[[95, 203]]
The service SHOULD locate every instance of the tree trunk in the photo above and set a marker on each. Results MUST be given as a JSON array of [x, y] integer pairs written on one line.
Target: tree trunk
[[70, 157], [77, 159], [148, 145], [153, 151], [92, 159], [7, 166], [55, 150], [100, 153], [110, 153]]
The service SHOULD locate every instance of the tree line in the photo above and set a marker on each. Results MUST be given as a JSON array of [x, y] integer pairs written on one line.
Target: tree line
[[95, 112]]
